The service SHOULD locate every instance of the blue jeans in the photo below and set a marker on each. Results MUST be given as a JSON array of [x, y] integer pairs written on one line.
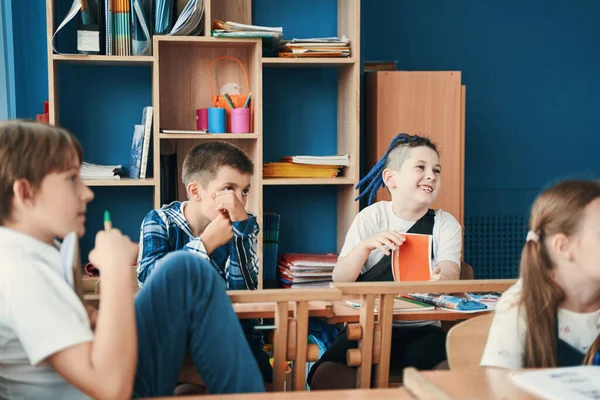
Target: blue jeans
[[183, 305]]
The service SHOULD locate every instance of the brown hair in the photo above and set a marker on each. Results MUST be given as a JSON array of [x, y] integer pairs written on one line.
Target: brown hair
[[31, 150], [205, 159], [557, 210]]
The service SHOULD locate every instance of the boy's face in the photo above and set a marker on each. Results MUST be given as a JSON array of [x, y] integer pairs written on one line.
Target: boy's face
[[58, 206], [418, 180], [227, 178]]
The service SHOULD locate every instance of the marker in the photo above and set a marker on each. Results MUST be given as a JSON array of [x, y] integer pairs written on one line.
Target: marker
[[229, 101], [247, 100], [107, 221]]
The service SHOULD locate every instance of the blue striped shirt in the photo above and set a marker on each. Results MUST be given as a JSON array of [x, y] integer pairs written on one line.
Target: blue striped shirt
[[167, 230]]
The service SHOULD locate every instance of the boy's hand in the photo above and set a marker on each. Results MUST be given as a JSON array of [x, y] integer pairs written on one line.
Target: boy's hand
[[217, 233], [228, 201], [113, 250], [384, 241]]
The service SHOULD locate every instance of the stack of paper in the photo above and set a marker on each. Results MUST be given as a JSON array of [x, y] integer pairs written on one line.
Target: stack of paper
[[290, 170], [93, 171], [191, 20], [339, 160], [234, 29], [299, 270], [317, 47]]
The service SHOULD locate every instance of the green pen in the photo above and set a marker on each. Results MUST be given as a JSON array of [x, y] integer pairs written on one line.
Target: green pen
[[107, 221]]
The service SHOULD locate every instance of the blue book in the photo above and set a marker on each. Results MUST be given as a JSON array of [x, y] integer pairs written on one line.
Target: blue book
[[137, 145]]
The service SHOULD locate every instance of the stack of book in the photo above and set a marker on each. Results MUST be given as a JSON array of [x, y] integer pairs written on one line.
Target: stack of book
[[306, 167], [316, 47], [94, 171], [237, 30], [299, 270]]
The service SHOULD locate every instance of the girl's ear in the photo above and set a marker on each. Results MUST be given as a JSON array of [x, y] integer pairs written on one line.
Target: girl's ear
[[389, 178], [23, 193], [563, 247], [193, 191]]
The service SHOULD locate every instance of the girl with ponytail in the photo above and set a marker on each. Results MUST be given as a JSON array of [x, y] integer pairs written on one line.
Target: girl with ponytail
[[551, 316]]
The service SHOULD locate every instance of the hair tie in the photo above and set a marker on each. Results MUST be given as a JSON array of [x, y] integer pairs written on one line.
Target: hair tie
[[532, 236]]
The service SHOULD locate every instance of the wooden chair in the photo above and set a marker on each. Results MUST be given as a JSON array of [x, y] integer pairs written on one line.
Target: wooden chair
[[465, 342]]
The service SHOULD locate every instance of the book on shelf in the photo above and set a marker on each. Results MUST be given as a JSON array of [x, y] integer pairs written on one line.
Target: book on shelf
[[306, 270], [95, 171], [235, 29], [147, 123], [316, 47], [140, 146], [400, 304], [191, 20], [290, 170], [342, 160]]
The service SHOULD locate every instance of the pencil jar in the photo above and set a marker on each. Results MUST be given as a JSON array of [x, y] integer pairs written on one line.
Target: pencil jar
[[240, 120], [216, 120], [232, 101]]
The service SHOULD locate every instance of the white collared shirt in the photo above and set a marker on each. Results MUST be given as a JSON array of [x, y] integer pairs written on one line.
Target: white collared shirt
[[40, 314]]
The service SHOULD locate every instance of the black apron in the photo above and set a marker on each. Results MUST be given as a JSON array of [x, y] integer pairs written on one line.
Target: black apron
[[382, 271], [567, 355]]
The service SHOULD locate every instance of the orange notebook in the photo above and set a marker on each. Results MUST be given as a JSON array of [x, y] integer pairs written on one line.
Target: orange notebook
[[412, 261]]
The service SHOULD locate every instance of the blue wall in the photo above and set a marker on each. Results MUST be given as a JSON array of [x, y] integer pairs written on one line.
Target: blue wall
[[531, 71], [532, 89]]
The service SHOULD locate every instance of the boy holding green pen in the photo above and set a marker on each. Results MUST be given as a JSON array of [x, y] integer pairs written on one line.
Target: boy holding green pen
[[48, 348]]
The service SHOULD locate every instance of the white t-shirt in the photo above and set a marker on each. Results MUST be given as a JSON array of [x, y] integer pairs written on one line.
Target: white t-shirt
[[379, 217], [40, 314], [505, 346]]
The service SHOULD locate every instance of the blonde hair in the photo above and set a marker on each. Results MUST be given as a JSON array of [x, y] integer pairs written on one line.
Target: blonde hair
[[557, 210], [31, 150]]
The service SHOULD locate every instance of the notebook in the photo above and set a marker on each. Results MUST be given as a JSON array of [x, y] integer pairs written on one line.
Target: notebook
[[573, 383], [400, 304], [412, 260]]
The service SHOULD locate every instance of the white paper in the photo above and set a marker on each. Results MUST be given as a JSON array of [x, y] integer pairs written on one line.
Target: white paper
[[88, 40], [568, 383], [75, 7]]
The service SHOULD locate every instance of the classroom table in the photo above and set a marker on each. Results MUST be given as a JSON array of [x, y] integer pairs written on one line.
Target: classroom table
[[322, 309], [348, 394], [476, 383]]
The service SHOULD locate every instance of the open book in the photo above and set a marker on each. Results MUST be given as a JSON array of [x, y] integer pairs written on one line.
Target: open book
[[412, 260], [572, 383]]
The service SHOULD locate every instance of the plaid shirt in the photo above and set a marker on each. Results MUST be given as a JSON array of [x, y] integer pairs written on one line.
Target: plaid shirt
[[167, 230]]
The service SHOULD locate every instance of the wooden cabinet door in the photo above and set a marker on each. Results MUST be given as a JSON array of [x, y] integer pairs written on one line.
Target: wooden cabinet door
[[419, 103]]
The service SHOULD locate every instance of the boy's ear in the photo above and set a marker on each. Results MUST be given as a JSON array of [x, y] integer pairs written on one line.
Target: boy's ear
[[388, 178], [23, 193], [193, 191]]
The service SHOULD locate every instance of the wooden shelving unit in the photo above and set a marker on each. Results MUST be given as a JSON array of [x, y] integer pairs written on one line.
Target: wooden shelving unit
[[180, 86]]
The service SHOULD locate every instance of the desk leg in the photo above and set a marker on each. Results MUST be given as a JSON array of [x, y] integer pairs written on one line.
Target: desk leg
[[301, 345], [365, 344], [384, 320], [280, 350]]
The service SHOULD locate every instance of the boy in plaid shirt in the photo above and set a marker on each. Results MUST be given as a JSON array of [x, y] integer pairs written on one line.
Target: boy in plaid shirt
[[213, 224]]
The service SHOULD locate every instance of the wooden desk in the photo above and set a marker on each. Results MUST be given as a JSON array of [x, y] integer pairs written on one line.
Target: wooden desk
[[343, 313], [351, 394], [322, 309], [480, 383]]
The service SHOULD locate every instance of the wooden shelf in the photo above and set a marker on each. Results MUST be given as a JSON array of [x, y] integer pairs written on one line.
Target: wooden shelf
[[207, 40], [120, 182], [209, 136], [103, 60], [306, 181], [306, 62]]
